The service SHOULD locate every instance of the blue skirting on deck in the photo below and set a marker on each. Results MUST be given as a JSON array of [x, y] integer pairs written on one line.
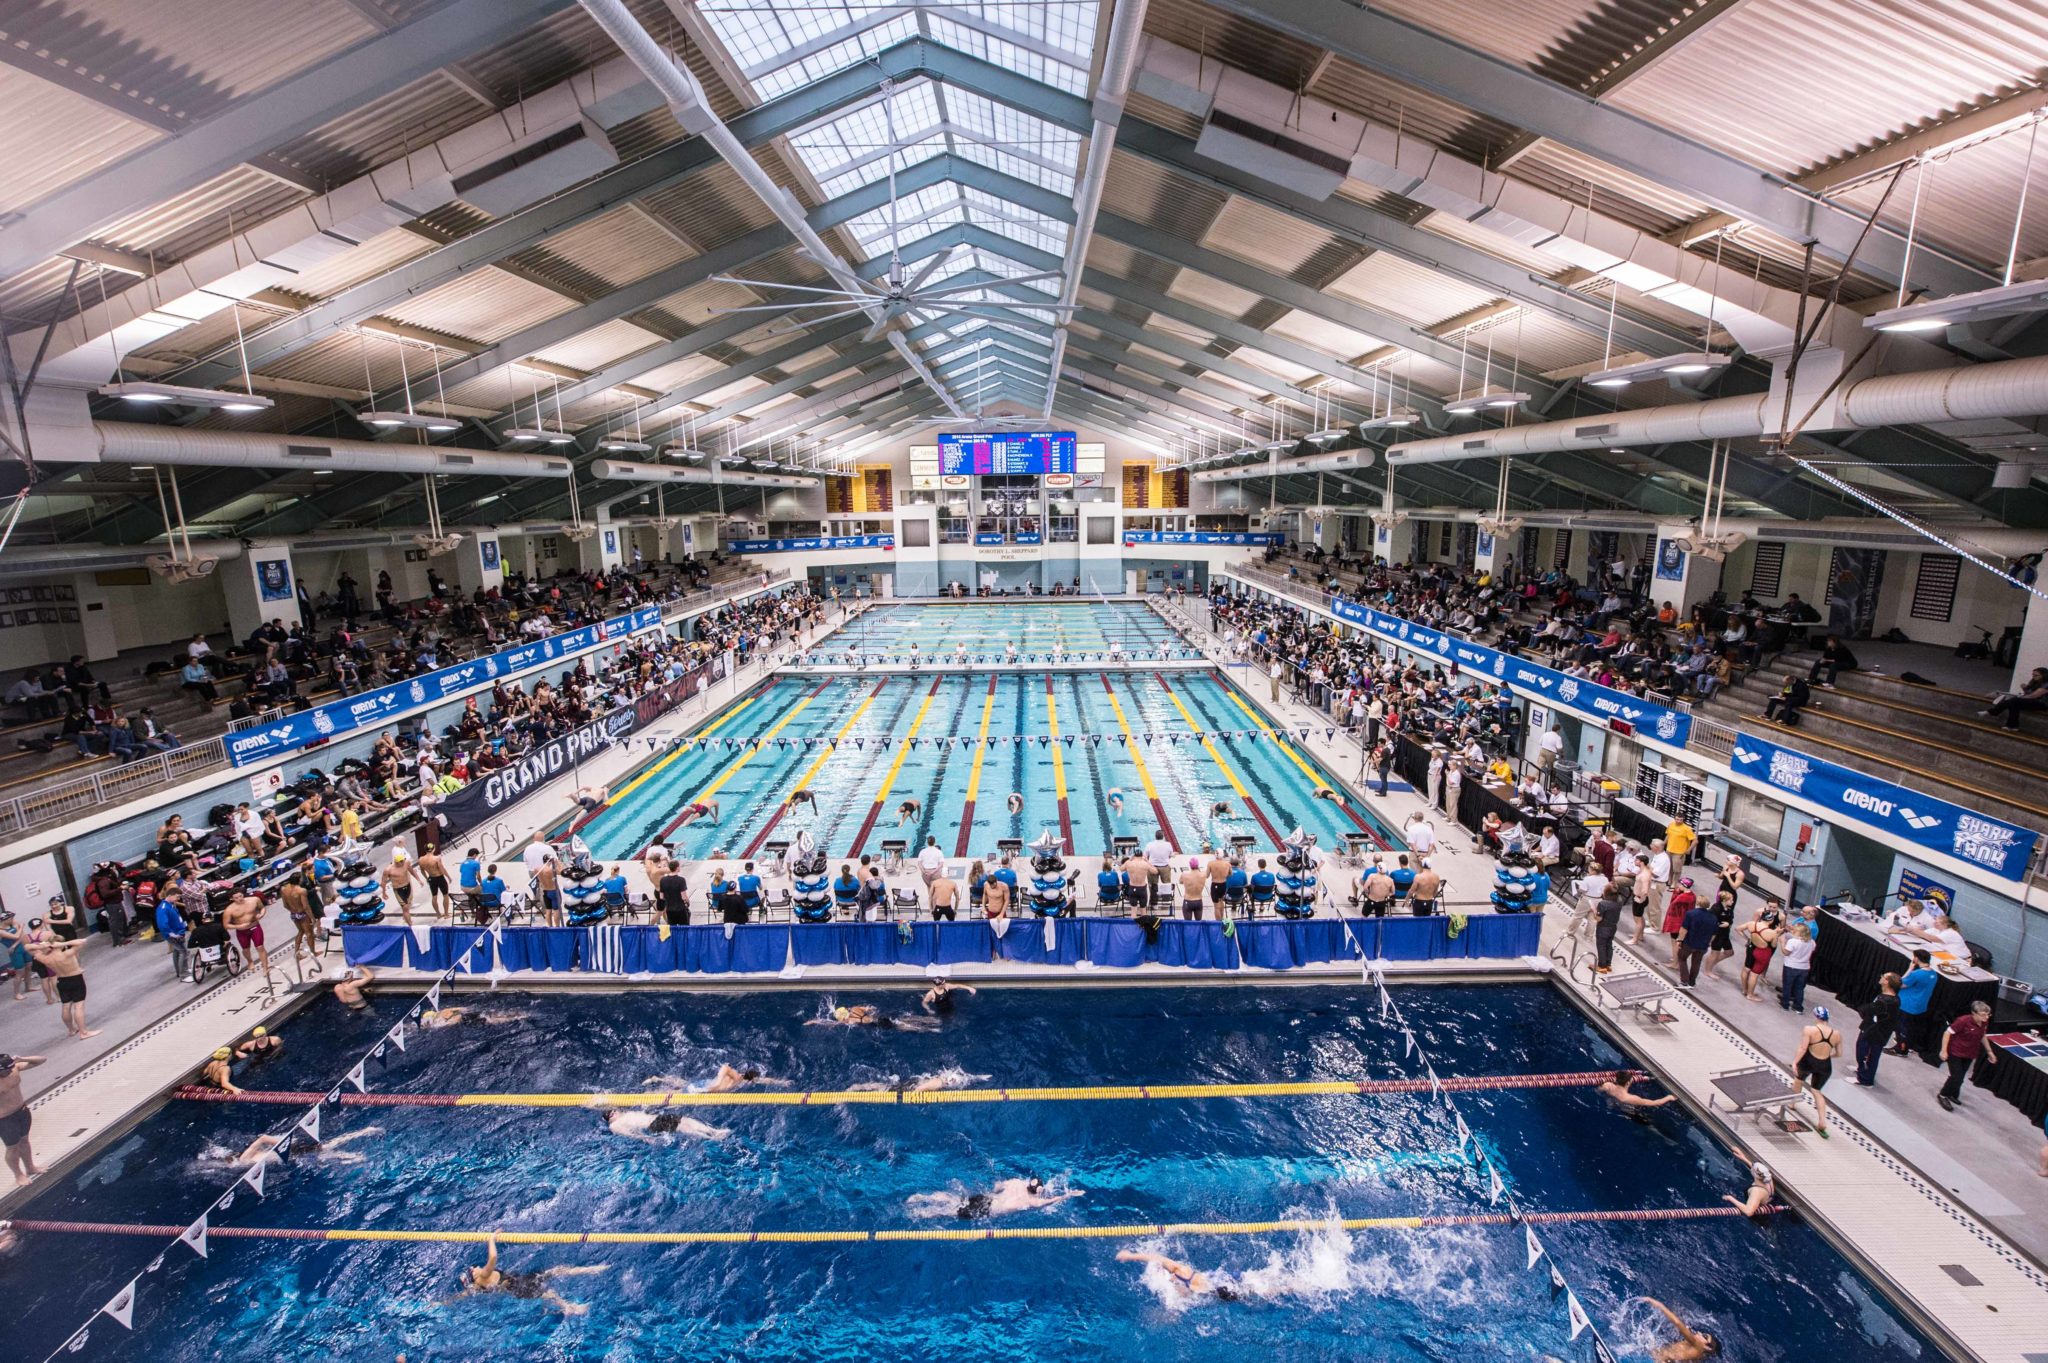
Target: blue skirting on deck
[[1110, 943]]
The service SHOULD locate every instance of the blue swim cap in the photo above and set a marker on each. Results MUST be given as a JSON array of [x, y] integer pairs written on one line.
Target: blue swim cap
[[1821, 1013]]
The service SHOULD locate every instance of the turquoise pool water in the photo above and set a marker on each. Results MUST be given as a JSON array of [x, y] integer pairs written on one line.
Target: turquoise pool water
[[1117, 731], [985, 627]]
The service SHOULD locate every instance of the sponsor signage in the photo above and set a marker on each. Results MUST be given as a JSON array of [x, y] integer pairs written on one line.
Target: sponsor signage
[[484, 797], [1242, 539], [371, 709], [812, 544], [1908, 815], [1553, 688]]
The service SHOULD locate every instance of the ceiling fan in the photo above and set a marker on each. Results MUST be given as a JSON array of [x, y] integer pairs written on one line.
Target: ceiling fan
[[899, 300]]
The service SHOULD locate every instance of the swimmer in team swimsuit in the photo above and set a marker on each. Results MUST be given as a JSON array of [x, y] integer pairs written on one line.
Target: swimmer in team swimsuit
[[640, 1125], [1691, 1344], [526, 1286], [1114, 798], [727, 1080], [1007, 1196], [1016, 802], [699, 810]]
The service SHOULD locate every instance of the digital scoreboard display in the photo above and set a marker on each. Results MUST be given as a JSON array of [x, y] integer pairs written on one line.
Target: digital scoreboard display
[[1002, 452]]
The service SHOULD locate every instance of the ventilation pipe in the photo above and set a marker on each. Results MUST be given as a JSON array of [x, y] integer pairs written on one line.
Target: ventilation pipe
[[621, 471], [695, 116], [513, 157], [115, 442], [2007, 389], [1119, 60], [1342, 461]]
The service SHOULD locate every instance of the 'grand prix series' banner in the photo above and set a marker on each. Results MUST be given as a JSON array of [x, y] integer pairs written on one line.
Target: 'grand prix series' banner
[[1573, 693], [1907, 815], [482, 798], [369, 709]]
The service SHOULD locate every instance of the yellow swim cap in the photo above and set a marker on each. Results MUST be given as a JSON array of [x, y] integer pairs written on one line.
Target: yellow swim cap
[[840, 1015], [260, 1031], [222, 1054]]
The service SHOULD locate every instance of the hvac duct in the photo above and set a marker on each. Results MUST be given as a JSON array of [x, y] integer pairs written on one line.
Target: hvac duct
[[621, 471], [2006, 389], [126, 443], [1342, 461]]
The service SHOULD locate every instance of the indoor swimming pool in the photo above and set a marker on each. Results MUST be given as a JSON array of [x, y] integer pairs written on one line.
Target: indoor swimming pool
[[855, 1176], [1090, 755], [985, 628]]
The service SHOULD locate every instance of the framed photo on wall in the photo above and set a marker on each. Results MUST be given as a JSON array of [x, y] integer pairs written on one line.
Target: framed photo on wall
[[274, 579], [68, 614], [66, 592], [6, 619], [487, 554]]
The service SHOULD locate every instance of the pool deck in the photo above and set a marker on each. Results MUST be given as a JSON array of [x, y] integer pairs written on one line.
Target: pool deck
[[1923, 1204]]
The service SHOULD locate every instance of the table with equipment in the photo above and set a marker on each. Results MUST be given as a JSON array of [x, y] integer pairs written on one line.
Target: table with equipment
[[1851, 954]]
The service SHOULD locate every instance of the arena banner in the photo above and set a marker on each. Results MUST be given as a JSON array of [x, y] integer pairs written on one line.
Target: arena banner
[[1907, 815], [811, 544], [1241, 539], [1540, 683], [370, 709], [483, 798]]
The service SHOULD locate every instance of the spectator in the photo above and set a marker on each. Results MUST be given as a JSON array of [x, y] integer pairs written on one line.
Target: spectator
[[1916, 994], [1961, 1044], [1879, 1018], [2032, 696]]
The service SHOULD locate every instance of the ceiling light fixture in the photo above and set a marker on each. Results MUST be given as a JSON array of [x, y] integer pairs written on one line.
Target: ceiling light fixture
[[1693, 362], [220, 399], [1489, 396], [1395, 419], [2007, 300]]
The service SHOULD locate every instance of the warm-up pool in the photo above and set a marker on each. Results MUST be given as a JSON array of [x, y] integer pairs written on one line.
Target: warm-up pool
[[1388, 1294], [1085, 754]]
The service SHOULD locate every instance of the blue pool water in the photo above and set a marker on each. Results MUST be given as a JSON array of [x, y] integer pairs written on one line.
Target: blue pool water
[[750, 783], [1773, 1291], [1075, 627]]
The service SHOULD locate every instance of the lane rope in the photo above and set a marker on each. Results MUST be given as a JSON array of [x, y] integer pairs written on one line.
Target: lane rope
[[905, 1098], [335, 1234]]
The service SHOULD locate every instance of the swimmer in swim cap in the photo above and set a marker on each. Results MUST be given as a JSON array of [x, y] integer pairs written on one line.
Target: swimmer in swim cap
[[218, 1071], [261, 1045], [1762, 1186]]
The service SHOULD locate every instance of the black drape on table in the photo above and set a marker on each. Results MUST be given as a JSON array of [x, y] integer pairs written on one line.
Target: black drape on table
[[2023, 1085], [1848, 962]]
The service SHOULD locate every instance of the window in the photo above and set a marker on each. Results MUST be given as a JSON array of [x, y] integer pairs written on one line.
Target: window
[[1444, 540]]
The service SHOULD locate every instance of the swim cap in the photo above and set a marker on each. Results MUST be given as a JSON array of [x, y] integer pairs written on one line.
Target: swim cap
[[398, 856], [840, 1015], [260, 1031], [1761, 1172], [222, 1054], [6, 1064], [1686, 881], [1821, 1013]]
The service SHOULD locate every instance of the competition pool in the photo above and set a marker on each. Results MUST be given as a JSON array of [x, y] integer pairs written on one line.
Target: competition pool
[[1391, 1293], [984, 628], [1093, 755]]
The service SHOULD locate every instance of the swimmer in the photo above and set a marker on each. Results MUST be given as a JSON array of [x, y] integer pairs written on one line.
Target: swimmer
[[1763, 1185], [593, 797], [1016, 802], [219, 1073], [1190, 1281], [448, 1017], [698, 809], [298, 1144], [907, 811], [1617, 1088], [1690, 1344], [939, 998], [261, 1045], [1219, 810], [1330, 793], [639, 1125], [1114, 798], [727, 1080], [1007, 1196], [526, 1286], [348, 986], [800, 797]]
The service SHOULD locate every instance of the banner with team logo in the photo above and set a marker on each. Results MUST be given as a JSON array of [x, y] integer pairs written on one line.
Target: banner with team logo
[[1240, 539], [370, 709], [1907, 815], [811, 544], [1551, 687]]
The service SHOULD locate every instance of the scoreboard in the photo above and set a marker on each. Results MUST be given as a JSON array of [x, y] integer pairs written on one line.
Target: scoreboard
[[1002, 452]]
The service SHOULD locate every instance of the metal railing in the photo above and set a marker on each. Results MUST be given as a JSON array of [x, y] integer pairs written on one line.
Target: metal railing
[[55, 804], [275, 712]]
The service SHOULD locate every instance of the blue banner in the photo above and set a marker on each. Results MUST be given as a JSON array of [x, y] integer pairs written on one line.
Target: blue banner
[[812, 544], [1241, 539], [371, 709], [1028, 537], [985, 537], [1574, 693], [1906, 815]]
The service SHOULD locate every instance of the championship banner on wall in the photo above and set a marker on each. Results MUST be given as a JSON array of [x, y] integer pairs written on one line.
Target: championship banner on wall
[[1906, 815], [370, 709]]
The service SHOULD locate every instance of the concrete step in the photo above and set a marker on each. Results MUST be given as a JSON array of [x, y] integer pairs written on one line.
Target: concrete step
[[1886, 700]]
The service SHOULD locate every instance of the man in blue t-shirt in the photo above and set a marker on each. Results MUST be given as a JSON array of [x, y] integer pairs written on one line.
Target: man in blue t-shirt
[[1916, 993], [469, 876], [170, 925], [1403, 877], [749, 883], [1109, 886], [1262, 883], [615, 889], [1234, 884]]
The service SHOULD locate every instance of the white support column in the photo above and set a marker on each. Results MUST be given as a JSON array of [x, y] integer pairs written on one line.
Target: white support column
[[2033, 644], [260, 587], [1679, 577], [480, 563], [1487, 551]]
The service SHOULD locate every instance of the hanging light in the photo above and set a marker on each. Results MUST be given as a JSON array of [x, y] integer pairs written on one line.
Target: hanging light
[[219, 399]]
